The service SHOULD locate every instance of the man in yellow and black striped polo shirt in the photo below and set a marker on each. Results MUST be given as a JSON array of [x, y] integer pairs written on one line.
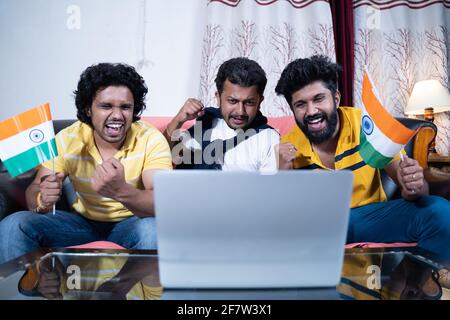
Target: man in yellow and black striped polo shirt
[[110, 158], [327, 137]]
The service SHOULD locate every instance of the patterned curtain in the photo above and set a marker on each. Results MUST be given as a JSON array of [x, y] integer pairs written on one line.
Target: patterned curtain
[[403, 42], [272, 32]]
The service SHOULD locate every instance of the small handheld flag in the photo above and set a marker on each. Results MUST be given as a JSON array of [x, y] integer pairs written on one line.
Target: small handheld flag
[[27, 140], [382, 136]]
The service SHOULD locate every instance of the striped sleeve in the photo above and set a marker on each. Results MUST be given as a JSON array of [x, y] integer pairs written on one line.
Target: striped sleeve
[[59, 160], [157, 155]]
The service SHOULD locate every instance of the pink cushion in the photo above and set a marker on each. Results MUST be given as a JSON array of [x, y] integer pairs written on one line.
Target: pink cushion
[[98, 245], [161, 122], [379, 245], [112, 245], [282, 124]]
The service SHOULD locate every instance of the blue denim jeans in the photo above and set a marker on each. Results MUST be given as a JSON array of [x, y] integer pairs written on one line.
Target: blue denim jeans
[[425, 221], [25, 231]]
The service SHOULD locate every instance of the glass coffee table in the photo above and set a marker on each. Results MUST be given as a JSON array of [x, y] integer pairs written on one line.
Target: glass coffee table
[[91, 274]]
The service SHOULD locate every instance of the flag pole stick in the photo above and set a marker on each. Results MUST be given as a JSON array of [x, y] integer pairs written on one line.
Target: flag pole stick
[[402, 157], [53, 169]]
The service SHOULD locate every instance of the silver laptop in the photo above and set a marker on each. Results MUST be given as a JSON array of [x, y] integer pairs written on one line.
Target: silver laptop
[[219, 229]]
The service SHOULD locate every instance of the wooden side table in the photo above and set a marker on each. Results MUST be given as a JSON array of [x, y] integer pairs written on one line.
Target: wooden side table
[[439, 162], [438, 175]]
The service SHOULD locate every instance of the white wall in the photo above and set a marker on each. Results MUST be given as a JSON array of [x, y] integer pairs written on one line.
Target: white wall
[[41, 57]]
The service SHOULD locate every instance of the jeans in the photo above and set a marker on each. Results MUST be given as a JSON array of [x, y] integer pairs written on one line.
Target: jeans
[[25, 231], [425, 221]]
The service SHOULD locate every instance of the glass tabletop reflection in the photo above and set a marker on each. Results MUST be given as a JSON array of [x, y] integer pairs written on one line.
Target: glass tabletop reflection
[[91, 274]]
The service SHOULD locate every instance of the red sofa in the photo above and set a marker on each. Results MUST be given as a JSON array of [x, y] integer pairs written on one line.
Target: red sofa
[[12, 190], [283, 125]]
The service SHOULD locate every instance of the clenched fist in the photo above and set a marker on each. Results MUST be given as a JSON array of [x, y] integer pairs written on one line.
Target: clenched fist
[[51, 188], [410, 176], [286, 155], [191, 110], [108, 178]]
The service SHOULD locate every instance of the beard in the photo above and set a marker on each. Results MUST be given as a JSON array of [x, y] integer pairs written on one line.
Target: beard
[[318, 137]]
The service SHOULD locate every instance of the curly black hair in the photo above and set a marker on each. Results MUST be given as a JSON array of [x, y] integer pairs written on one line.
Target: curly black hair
[[302, 72], [102, 75], [243, 72]]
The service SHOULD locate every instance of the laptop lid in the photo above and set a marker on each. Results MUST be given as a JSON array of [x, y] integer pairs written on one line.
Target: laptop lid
[[218, 229]]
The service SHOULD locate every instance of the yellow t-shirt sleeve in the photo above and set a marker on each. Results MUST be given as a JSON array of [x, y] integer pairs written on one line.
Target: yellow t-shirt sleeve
[[157, 154], [59, 160]]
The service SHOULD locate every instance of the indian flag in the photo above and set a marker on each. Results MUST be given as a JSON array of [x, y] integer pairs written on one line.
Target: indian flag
[[382, 136], [27, 140]]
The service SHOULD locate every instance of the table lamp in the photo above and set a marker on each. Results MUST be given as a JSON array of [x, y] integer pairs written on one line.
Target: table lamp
[[428, 97]]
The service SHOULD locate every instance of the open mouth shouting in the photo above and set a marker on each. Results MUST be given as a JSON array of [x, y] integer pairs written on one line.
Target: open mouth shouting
[[316, 122], [114, 129], [238, 121]]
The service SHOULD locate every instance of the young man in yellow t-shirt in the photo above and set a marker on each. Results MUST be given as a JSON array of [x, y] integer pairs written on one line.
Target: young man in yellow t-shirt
[[327, 137], [110, 158]]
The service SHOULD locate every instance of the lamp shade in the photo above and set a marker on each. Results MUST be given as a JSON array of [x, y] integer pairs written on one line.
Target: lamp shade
[[428, 94]]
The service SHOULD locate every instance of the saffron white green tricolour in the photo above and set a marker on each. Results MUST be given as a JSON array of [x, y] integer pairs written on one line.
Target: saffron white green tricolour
[[382, 136], [27, 140]]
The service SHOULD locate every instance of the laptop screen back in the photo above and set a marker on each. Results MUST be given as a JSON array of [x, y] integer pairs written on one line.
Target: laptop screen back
[[221, 229]]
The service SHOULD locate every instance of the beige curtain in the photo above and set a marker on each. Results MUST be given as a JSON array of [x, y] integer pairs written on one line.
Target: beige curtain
[[271, 32], [403, 42]]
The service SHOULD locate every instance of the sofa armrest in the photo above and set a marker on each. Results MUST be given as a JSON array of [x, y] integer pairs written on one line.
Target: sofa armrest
[[422, 141]]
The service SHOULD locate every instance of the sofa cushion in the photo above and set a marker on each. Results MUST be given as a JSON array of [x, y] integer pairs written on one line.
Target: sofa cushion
[[161, 122], [98, 245], [13, 190], [282, 124]]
